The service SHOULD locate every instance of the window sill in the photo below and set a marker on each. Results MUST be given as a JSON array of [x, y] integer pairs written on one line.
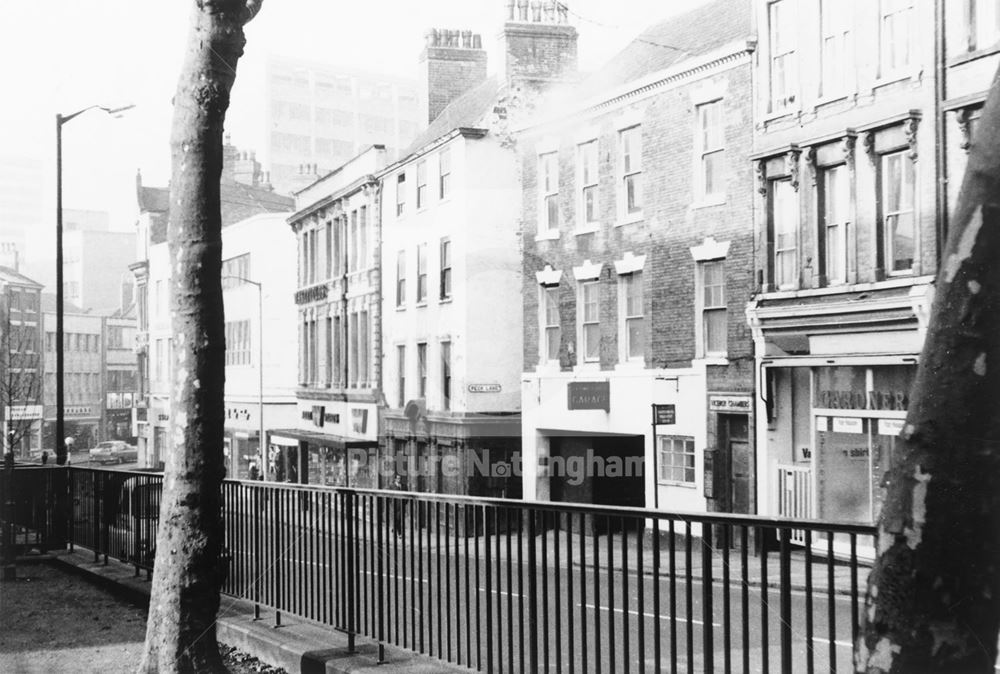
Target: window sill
[[685, 485], [629, 219], [631, 365], [780, 114], [548, 367], [974, 55], [709, 200], [400, 307], [893, 78], [421, 305], [445, 300], [589, 366], [547, 235], [586, 229], [711, 360]]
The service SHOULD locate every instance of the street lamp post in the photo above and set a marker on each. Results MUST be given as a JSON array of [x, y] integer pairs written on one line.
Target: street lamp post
[[60, 448], [261, 445]]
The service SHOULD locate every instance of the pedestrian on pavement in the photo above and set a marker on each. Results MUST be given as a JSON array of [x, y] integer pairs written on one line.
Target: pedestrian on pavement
[[253, 471], [45, 457], [397, 508]]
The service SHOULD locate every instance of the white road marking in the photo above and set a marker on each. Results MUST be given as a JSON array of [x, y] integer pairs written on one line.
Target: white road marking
[[651, 615]]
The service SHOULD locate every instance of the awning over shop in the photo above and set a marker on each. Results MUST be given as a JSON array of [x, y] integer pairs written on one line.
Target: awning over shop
[[292, 437]]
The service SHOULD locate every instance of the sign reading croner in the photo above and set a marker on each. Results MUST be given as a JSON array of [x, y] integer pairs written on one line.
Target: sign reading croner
[[589, 395]]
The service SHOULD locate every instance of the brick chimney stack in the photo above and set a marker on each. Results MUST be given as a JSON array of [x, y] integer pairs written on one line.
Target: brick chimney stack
[[539, 45], [452, 62]]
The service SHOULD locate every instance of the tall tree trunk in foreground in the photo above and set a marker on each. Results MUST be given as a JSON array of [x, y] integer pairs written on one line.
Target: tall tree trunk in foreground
[[180, 633], [933, 600]]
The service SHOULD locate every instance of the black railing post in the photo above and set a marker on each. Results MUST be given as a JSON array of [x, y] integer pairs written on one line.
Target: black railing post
[[97, 512], [706, 598], [532, 595], [352, 574], [786, 600], [72, 532]]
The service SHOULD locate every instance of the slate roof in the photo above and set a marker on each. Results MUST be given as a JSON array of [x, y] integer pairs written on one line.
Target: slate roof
[[671, 41], [49, 305], [468, 110], [9, 275]]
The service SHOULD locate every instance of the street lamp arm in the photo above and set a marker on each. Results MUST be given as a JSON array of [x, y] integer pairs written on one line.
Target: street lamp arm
[[62, 119]]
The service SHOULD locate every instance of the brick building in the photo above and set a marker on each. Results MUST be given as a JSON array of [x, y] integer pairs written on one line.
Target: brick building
[[638, 238], [848, 201], [450, 254]]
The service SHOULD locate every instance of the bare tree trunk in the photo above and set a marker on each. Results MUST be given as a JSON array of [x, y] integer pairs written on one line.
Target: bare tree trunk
[[933, 600], [180, 633]]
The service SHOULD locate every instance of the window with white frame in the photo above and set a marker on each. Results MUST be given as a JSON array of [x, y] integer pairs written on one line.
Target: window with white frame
[[633, 318], [444, 173], [898, 233], [422, 184], [352, 249], [401, 373], [980, 24], [422, 273], [548, 189], [422, 369], [630, 172], [364, 359], [783, 72], [590, 321], [894, 36], [784, 224], [676, 459], [551, 330], [363, 260], [836, 55], [834, 210], [238, 342], [400, 193], [400, 278], [446, 375], [711, 140], [445, 281], [712, 306], [587, 181]]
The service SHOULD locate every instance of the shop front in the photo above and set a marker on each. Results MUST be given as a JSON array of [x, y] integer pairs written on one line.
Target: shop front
[[334, 444], [832, 435]]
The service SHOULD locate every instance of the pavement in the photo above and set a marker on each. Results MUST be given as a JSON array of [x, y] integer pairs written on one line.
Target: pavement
[[296, 646]]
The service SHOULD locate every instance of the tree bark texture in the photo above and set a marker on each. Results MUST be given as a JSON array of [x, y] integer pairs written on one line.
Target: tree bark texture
[[188, 571], [932, 603]]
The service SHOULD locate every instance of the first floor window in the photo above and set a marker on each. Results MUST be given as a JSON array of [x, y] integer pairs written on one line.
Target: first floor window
[[587, 174], [635, 322], [550, 298], [590, 321], [713, 307], [400, 278], [422, 368], [401, 373], [711, 141], [899, 241], [548, 184], [238, 343], [676, 460], [835, 205], [421, 273], [446, 375], [445, 269], [784, 224], [895, 35]]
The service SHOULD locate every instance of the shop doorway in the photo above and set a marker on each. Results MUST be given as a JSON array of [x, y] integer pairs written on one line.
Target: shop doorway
[[734, 435]]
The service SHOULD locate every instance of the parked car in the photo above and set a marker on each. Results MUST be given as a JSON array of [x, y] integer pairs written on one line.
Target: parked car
[[114, 451]]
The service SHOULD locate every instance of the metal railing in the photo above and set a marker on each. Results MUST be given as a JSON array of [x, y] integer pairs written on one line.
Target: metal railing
[[513, 586]]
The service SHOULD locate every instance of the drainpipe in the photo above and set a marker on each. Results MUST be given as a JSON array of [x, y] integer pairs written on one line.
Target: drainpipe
[[941, 147]]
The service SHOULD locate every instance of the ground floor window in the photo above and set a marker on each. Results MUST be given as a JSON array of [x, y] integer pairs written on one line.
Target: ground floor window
[[676, 460]]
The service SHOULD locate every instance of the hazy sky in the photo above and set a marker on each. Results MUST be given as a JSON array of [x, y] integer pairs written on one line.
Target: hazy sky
[[62, 55]]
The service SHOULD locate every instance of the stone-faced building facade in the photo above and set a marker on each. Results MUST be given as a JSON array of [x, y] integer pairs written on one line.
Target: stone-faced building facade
[[638, 238], [338, 305], [847, 244]]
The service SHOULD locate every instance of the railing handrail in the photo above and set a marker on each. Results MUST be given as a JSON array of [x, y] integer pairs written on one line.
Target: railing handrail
[[770, 521]]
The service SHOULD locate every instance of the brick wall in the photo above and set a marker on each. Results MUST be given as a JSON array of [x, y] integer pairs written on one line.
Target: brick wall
[[447, 73], [671, 226]]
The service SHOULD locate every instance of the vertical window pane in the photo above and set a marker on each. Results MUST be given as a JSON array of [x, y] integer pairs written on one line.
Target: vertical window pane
[[899, 232], [785, 224]]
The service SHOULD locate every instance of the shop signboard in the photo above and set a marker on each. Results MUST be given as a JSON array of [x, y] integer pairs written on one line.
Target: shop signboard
[[664, 415], [730, 403], [589, 395]]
